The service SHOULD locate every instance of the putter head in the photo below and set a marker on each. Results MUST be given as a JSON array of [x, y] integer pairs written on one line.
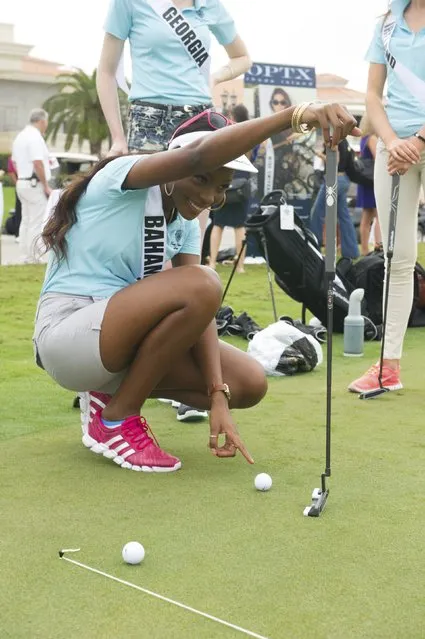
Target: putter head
[[373, 393], [318, 505]]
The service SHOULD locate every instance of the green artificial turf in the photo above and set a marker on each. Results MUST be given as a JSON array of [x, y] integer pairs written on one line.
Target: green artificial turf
[[211, 540]]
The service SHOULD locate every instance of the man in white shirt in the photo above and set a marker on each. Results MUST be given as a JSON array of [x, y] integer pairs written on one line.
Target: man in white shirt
[[31, 158]]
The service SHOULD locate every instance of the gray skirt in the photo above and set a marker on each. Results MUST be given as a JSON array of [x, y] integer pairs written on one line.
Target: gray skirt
[[66, 342]]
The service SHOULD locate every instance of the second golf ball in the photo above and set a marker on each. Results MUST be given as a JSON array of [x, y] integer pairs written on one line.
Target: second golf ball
[[133, 553], [263, 482]]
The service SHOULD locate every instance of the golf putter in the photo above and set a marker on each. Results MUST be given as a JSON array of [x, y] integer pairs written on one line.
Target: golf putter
[[320, 495], [395, 189]]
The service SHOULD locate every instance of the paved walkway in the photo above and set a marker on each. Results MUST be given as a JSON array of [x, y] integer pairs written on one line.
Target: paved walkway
[[9, 251]]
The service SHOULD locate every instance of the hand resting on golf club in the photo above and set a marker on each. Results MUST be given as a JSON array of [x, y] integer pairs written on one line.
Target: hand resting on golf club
[[334, 120]]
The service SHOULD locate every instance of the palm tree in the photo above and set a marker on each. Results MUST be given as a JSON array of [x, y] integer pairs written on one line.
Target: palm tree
[[76, 108]]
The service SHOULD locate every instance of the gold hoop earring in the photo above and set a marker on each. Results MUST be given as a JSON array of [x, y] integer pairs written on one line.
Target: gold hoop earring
[[171, 192], [221, 205]]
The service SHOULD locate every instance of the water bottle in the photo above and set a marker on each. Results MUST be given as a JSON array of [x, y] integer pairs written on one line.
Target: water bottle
[[354, 325]]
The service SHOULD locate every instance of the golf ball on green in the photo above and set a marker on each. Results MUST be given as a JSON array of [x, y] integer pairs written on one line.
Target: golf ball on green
[[133, 553], [263, 482]]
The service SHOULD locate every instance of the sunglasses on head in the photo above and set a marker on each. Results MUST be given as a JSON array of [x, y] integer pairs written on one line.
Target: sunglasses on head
[[215, 120], [277, 102]]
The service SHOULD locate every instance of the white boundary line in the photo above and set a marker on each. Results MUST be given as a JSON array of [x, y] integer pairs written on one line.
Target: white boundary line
[[154, 594]]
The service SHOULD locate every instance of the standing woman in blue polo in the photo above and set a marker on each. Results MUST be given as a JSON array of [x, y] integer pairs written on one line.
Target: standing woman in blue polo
[[169, 44], [397, 55]]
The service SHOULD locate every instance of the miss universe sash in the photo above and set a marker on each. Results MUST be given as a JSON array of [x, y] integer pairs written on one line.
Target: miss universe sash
[[415, 85], [184, 32], [154, 234]]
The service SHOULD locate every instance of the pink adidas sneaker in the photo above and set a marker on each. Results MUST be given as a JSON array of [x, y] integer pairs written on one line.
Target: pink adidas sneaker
[[90, 403], [370, 380], [129, 445]]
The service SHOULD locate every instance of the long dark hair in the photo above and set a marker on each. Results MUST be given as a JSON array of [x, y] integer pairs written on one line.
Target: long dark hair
[[64, 215]]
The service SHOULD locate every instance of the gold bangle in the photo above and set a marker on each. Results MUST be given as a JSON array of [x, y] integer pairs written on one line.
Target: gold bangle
[[296, 110], [297, 125], [295, 120], [294, 116], [300, 127]]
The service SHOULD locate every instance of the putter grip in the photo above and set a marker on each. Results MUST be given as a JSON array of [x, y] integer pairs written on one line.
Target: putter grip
[[331, 196]]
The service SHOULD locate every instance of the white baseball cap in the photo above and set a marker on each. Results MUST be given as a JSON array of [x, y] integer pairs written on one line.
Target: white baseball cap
[[241, 163]]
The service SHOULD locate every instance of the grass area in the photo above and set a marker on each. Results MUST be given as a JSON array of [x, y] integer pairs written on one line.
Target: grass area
[[211, 540]]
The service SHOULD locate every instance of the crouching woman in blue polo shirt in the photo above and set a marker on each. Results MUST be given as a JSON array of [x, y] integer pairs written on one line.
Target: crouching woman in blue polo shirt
[[110, 320], [397, 54]]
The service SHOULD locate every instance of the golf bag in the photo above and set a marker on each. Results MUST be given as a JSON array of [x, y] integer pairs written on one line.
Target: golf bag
[[369, 273], [299, 266]]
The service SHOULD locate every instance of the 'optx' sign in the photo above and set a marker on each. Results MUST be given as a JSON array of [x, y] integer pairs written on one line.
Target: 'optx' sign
[[283, 75]]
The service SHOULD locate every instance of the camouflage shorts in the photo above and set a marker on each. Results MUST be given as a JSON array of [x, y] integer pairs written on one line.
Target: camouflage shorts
[[151, 127]]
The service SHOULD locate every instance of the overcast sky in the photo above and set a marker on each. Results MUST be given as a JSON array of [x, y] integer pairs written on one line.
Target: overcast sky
[[331, 35]]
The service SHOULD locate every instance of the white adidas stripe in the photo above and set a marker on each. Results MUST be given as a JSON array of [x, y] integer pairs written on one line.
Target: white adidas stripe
[[114, 440], [127, 453], [117, 449], [95, 400]]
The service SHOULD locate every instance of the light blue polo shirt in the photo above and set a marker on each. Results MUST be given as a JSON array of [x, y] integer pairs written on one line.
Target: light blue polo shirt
[[105, 244], [162, 70], [405, 113]]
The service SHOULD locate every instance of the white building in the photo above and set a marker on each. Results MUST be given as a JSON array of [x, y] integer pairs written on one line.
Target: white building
[[25, 83]]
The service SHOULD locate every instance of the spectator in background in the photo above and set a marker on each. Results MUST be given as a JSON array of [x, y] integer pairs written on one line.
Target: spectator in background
[[349, 246], [17, 216], [365, 194], [31, 159], [233, 214]]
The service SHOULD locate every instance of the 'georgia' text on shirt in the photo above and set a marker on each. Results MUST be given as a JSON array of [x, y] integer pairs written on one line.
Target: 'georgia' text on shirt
[[186, 34]]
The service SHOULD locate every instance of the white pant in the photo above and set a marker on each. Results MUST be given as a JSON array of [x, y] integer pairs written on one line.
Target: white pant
[[405, 244], [33, 200]]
